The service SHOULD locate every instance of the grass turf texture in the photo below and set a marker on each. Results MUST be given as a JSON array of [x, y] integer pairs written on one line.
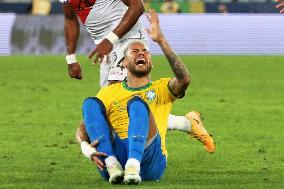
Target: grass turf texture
[[242, 98]]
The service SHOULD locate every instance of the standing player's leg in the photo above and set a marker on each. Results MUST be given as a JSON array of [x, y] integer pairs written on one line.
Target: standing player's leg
[[117, 72], [97, 128], [104, 71]]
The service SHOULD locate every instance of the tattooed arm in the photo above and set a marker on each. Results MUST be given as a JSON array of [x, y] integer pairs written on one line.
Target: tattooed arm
[[180, 82]]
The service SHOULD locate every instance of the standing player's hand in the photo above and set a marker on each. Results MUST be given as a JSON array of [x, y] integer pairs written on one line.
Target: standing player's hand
[[75, 71], [101, 51], [280, 5], [154, 31], [96, 156]]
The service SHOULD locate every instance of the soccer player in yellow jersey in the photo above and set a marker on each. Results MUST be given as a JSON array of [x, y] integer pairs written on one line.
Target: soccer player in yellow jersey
[[127, 122]]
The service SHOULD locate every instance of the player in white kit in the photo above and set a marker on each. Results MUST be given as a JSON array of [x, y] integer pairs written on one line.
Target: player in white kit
[[111, 23]]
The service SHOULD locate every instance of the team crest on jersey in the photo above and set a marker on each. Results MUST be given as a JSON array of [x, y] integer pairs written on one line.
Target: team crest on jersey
[[151, 95]]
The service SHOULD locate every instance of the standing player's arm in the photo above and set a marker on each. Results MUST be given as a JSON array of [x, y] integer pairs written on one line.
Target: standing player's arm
[[72, 32], [89, 150], [180, 82], [130, 18]]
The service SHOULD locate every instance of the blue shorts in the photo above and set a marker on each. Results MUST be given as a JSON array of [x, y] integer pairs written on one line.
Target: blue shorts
[[153, 162]]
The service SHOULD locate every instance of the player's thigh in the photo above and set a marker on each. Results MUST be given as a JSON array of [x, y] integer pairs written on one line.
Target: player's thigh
[[117, 71]]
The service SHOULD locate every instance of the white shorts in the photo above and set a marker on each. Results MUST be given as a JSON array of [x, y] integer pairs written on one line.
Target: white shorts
[[117, 71]]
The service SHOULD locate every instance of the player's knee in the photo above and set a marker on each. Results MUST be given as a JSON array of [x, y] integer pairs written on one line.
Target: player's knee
[[93, 103], [137, 102], [90, 101]]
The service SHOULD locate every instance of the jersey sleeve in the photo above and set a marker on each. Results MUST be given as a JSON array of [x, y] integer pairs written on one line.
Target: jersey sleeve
[[164, 82], [167, 80]]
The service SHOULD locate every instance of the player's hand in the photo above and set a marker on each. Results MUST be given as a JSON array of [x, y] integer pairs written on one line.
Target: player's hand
[[75, 71], [280, 5], [101, 51], [154, 31], [96, 156]]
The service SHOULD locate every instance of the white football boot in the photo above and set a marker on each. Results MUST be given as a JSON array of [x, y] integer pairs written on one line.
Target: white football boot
[[115, 172], [132, 175]]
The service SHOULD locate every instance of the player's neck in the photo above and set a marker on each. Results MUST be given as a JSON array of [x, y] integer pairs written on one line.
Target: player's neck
[[135, 82]]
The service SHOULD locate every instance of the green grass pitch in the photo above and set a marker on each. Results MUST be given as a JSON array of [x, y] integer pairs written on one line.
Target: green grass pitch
[[241, 97]]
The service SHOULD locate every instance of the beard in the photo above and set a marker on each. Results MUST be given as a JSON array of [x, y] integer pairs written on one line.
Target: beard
[[139, 73]]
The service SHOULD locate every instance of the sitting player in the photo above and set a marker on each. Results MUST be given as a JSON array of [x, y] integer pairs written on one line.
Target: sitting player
[[128, 128], [106, 21]]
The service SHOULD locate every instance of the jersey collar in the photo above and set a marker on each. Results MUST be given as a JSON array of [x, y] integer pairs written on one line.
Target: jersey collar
[[125, 86]]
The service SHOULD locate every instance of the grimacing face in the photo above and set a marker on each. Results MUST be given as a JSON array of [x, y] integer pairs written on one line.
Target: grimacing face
[[138, 60]]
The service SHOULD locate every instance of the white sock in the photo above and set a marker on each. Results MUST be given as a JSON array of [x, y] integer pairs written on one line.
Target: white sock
[[180, 123], [110, 161], [133, 162]]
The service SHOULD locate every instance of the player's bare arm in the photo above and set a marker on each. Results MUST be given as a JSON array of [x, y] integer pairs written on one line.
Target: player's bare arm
[[72, 31], [280, 5], [89, 150], [81, 134], [180, 82], [134, 11]]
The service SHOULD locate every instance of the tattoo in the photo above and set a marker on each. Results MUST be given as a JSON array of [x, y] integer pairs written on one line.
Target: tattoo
[[179, 84], [177, 67]]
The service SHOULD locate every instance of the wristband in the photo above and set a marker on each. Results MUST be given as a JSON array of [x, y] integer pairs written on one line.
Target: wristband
[[87, 150], [112, 37], [71, 59]]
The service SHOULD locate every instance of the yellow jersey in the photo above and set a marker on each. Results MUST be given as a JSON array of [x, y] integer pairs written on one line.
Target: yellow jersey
[[156, 94]]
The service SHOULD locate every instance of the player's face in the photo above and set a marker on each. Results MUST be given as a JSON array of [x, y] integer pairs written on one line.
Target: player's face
[[138, 60]]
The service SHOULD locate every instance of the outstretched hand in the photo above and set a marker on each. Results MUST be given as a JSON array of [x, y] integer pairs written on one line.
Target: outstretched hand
[[154, 31], [280, 5], [101, 51]]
